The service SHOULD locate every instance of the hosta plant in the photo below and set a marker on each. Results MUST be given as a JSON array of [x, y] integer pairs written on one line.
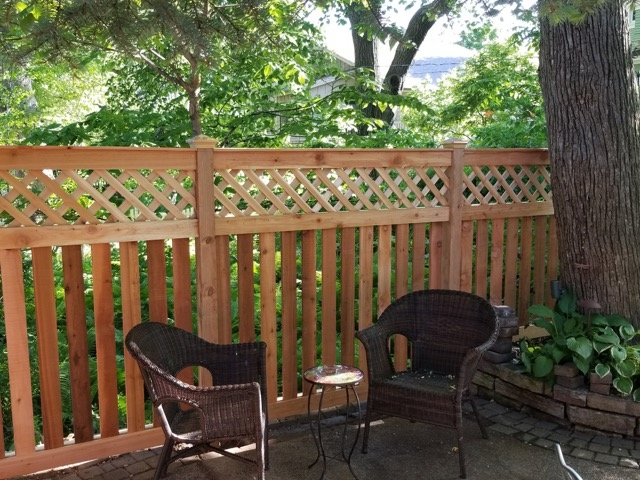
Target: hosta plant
[[593, 342]]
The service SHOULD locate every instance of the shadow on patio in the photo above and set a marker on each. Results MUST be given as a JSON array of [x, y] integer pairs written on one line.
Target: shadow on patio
[[519, 447]]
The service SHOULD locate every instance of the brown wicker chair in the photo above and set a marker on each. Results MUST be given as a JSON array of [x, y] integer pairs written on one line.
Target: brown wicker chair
[[233, 409], [447, 332]]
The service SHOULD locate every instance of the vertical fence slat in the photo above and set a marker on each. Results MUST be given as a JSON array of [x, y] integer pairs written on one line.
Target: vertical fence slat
[[497, 259], [78, 343], [157, 280], [105, 338], [131, 316], [347, 295], [17, 351], [482, 257], [223, 258], [418, 249], [436, 242], [511, 263], [402, 286], [289, 316], [466, 256], [365, 286], [182, 285], [268, 310], [524, 287], [540, 260], [309, 319], [48, 355], [384, 267], [329, 275], [246, 292]]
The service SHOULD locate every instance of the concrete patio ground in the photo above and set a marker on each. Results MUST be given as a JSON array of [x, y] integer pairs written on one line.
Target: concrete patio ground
[[519, 447]]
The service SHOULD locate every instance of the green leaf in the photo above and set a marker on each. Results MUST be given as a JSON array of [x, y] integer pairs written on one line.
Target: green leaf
[[541, 311], [582, 364], [602, 370], [617, 321], [608, 336], [636, 395], [542, 366], [618, 353], [542, 323], [626, 368], [627, 332], [581, 345], [567, 303], [623, 384], [600, 347]]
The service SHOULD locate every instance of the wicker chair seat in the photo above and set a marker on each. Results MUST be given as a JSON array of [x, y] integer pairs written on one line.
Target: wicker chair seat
[[426, 397]]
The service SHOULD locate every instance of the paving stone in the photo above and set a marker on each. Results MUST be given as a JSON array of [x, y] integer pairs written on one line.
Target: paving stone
[[576, 442], [596, 447], [117, 474], [526, 437], [620, 452], [547, 425], [523, 427], [89, 473], [143, 454], [137, 467], [503, 429], [608, 459], [623, 443], [544, 443], [515, 415], [581, 453], [540, 432], [635, 454], [556, 437], [601, 440], [586, 436], [123, 460]]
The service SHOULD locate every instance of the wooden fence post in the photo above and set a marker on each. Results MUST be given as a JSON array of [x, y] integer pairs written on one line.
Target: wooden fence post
[[206, 268], [452, 259]]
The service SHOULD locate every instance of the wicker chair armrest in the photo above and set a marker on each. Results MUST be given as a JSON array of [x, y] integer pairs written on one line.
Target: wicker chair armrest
[[470, 362], [375, 340], [218, 407]]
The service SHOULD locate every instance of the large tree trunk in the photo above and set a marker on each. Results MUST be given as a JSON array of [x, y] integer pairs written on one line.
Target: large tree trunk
[[365, 53], [591, 104]]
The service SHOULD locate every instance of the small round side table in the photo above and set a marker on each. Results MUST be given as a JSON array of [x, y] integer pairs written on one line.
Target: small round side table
[[333, 376]]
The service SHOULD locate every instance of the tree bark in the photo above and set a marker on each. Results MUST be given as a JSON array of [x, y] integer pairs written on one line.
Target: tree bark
[[365, 53], [592, 114]]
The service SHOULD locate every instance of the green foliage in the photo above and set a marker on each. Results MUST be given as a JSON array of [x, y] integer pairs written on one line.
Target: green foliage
[[494, 100], [600, 344], [573, 11]]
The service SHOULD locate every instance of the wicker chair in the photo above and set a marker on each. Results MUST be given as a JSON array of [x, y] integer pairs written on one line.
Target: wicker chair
[[202, 417], [447, 332]]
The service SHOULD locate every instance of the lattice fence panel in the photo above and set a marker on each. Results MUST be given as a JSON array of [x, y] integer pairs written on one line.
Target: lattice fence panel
[[507, 184], [76, 197], [320, 190]]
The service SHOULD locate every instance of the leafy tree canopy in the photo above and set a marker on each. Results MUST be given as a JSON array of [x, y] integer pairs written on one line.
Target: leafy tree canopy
[[494, 100]]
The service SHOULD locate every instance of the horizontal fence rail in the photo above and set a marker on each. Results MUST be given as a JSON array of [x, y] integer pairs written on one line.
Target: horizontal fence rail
[[298, 248]]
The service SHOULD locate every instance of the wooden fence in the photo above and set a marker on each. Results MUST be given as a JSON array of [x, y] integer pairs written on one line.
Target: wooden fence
[[299, 248]]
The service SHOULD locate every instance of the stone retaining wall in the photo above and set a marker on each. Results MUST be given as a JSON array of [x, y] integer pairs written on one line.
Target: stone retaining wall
[[497, 378]]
